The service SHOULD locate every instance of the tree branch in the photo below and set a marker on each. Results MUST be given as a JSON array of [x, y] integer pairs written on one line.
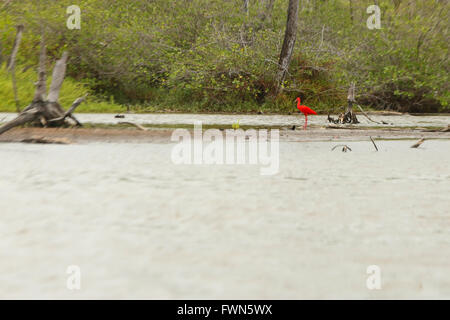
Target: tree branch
[[59, 72], [68, 113]]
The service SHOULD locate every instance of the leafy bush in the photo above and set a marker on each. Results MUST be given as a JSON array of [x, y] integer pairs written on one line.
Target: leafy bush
[[209, 55]]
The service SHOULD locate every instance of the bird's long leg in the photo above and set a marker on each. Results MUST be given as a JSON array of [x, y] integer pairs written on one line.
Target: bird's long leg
[[306, 121]]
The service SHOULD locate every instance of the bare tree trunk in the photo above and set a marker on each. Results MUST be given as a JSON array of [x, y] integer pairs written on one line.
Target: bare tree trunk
[[12, 64], [41, 86], [349, 115], [12, 58], [288, 43], [351, 98]]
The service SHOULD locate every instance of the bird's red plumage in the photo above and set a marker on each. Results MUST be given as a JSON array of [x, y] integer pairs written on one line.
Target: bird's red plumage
[[306, 110]]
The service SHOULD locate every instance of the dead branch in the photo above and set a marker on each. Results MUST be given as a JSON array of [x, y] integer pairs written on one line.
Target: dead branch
[[374, 144], [68, 113], [418, 143], [134, 124], [58, 75], [367, 116], [41, 85], [16, 45]]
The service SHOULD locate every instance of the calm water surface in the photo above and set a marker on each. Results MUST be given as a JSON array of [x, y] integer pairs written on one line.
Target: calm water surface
[[141, 227]]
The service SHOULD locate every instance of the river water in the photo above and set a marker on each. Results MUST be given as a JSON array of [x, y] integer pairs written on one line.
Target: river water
[[139, 226]]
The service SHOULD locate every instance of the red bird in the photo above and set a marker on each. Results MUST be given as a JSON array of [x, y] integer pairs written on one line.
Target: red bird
[[306, 110]]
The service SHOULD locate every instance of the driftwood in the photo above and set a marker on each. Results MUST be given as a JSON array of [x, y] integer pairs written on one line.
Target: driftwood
[[46, 111]]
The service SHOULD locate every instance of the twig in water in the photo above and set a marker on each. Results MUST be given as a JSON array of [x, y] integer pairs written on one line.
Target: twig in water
[[374, 144], [345, 148], [418, 143]]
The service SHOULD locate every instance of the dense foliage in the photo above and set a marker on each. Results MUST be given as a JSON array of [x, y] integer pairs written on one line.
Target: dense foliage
[[212, 55]]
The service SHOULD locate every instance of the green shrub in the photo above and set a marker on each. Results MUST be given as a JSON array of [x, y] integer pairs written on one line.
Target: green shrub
[[208, 55]]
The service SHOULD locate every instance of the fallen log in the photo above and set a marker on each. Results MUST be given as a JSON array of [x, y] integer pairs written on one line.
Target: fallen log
[[24, 117], [47, 111]]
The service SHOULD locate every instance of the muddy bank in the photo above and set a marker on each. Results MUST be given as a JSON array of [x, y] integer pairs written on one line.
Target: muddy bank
[[163, 135], [84, 135]]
